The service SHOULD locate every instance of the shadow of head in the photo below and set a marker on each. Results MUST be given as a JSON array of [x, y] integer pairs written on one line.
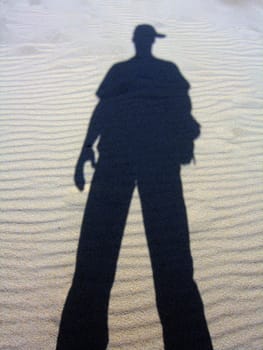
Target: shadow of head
[[143, 38]]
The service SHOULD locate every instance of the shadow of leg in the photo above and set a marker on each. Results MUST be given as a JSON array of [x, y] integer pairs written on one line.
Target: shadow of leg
[[84, 318], [178, 301]]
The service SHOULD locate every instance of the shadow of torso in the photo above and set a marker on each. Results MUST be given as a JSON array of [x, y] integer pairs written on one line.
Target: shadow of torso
[[144, 108]]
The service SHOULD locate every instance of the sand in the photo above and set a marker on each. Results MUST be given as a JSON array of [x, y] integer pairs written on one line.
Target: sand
[[53, 56]]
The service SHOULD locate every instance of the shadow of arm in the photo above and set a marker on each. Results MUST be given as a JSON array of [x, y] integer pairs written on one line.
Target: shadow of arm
[[87, 153]]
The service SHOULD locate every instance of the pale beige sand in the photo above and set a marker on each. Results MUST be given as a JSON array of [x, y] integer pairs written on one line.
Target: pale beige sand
[[47, 98]]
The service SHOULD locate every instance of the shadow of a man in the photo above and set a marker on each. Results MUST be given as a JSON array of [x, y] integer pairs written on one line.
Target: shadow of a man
[[146, 132]]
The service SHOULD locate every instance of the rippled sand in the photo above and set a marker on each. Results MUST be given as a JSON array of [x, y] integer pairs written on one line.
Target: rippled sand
[[47, 97]]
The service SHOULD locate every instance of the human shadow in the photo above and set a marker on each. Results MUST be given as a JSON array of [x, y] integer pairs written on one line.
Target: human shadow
[[146, 132]]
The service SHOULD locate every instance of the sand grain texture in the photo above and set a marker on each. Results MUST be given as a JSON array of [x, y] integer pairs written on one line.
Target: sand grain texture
[[51, 63]]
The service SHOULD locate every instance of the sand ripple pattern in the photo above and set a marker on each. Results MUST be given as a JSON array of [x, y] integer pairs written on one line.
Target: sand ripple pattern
[[47, 98]]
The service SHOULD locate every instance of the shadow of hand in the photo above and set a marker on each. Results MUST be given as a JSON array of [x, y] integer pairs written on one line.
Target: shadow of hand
[[79, 178]]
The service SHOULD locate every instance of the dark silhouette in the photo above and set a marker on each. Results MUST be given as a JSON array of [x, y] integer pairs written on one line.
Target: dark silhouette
[[146, 132]]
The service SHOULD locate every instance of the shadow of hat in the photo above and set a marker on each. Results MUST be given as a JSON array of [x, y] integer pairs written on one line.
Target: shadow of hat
[[146, 31]]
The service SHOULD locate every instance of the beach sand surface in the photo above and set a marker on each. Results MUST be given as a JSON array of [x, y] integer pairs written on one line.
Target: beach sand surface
[[53, 56]]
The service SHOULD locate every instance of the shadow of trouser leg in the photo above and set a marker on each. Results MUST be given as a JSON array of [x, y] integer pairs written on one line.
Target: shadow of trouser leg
[[178, 300], [182, 317], [84, 318]]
